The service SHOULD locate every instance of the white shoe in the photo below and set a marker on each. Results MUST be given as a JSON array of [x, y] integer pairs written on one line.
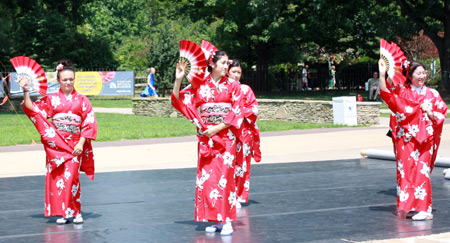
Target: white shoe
[[422, 216], [78, 219], [62, 221], [241, 200], [227, 229], [214, 228], [238, 205]]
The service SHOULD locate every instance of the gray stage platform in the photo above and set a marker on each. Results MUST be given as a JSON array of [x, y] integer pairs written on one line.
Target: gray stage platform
[[333, 201]]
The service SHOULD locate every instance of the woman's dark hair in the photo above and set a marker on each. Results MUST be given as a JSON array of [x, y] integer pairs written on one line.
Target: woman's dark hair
[[216, 57], [413, 65], [235, 63], [66, 65]]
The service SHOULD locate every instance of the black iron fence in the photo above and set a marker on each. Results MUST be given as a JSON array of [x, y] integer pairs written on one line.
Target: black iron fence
[[347, 78]]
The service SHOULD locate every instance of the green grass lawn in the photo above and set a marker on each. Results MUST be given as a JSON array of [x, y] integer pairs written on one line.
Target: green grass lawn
[[18, 129], [126, 103]]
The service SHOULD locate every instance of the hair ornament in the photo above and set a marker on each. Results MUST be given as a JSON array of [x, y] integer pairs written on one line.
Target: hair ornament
[[213, 54], [59, 67], [406, 65], [230, 62]]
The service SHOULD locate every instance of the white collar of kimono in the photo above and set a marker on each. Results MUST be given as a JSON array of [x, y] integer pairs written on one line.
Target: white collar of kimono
[[216, 83], [417, 89], [69, 96]]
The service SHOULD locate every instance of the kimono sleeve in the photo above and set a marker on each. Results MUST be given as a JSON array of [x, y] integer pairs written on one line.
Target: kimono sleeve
[[56, 148], [392, 100], [88, 120], [42, 106], [235, 117], [250, 104], [186, 105], [439, 109]]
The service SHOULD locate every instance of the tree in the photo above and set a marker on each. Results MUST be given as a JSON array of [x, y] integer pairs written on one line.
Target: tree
[[268, 32], [418, 47], [48, 30], [433, 17]]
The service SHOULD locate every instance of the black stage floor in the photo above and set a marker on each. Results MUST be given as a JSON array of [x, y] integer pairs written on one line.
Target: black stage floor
[[332, 201]]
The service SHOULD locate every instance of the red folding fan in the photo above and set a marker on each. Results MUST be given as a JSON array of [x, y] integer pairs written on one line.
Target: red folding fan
[[30, 70], [196, 69], [394, 58], [208, 49]]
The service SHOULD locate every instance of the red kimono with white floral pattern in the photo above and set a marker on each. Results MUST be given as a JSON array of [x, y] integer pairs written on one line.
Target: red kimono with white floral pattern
[[72, 117], [416, 140], [215, 196], [249, 144]]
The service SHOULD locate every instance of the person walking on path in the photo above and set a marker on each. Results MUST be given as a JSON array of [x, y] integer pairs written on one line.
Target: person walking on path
[[67, 142], [305, 85], [220, 101], [416, 132], [150, 88], [332, 81]]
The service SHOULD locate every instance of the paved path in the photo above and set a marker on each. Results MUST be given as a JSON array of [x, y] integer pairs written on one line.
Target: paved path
[[313, 145]]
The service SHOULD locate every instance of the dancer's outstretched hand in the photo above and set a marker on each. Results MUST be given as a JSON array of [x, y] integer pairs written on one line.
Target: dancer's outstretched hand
[[382, 67], [181, 69], [23, 83]]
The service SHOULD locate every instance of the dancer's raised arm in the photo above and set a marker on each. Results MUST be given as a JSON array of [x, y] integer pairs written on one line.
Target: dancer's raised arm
[[179, 75], [382, 79]]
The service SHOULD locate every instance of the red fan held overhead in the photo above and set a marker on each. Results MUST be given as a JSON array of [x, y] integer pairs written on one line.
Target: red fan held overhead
[[196, 69], [394, 58], [208, 49], [30, 70]]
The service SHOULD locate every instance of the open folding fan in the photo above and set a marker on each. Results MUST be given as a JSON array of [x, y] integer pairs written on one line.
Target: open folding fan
[[196, 69], [208, 49], [30, 70], [394, 58]]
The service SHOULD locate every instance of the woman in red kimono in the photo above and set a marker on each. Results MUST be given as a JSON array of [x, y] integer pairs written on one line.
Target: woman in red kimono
[[249, 144], [416, 134], [219, 100], [67, 143]]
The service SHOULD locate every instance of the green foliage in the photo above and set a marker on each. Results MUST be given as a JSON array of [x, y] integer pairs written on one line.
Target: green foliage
[[164, 46], [116, 20], [132, 54], [136, 34], [48, 31]]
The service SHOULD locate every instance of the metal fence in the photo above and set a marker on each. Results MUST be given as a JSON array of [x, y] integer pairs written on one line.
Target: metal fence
[[347, 78]]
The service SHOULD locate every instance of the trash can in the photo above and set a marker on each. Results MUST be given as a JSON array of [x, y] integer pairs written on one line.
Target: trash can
[[344, 110]]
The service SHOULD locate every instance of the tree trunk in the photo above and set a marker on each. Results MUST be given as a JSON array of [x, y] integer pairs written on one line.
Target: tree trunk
[[443, 45], [262, 67]]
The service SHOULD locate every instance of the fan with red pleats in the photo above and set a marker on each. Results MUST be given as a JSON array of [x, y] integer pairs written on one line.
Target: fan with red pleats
[[196, 69], [30, 70], [394, 59], [208, 49]]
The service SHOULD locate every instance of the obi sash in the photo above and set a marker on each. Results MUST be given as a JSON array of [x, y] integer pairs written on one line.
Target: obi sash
[[67, 122], [214, 113]]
